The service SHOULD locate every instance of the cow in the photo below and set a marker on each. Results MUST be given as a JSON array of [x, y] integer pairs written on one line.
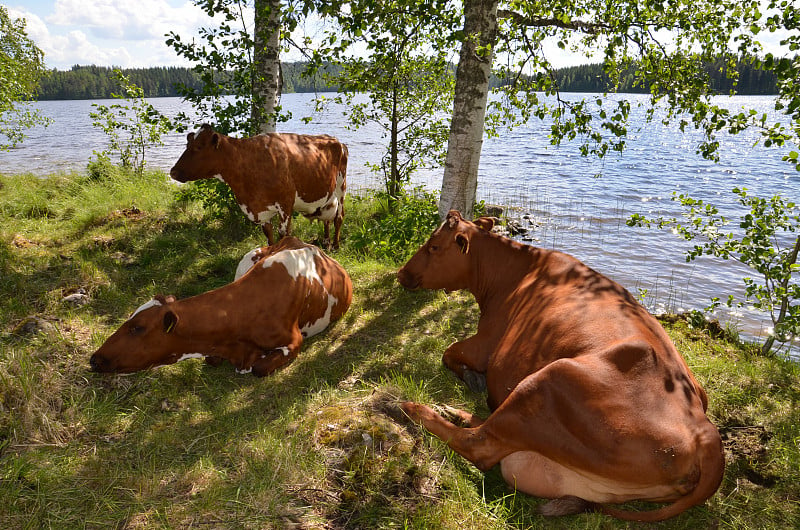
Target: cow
[[273, 174], [257, 322], [591, 403]]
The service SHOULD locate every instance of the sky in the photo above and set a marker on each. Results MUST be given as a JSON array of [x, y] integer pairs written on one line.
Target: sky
[[132, 33], [124, 33]]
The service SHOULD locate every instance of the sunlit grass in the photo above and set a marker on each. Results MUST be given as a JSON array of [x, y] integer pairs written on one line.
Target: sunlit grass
[[316, 445]]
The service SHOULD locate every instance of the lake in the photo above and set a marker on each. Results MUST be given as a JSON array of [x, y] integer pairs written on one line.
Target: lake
[[578, 205]]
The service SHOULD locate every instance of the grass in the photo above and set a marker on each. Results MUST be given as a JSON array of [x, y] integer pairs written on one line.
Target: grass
[[316, 445]]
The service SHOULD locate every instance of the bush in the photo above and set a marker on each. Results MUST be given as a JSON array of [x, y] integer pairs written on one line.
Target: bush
[[396, 235]]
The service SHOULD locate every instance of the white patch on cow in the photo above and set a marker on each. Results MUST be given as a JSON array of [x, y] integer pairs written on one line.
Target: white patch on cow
[[301, 205], [264, 216], [219, 178], [246, 263], [298, 262], [247, 212], [285, 351], [146, 305], [312, 328], [339, 191], [244, 371], [190, 356], [284, 226]]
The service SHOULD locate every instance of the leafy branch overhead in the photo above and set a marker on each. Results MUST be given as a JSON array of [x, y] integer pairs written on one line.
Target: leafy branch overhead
[[21, 68], [767, 240], [670, 43]]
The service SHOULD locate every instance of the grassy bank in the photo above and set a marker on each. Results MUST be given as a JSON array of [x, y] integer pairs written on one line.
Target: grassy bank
[[313, 446]]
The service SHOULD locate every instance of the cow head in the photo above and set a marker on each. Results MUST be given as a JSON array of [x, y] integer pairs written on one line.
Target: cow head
[[444, 261], [143, 341], [202, 157]]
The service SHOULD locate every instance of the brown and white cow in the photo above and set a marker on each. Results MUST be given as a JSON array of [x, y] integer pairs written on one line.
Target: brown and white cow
[[273, 174], [591, 402], [258, 322]]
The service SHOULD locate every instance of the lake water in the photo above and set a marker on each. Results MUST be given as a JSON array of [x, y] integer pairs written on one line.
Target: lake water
[[573, 208]]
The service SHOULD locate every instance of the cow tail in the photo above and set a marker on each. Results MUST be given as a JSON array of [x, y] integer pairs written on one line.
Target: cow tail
[[712, 467]]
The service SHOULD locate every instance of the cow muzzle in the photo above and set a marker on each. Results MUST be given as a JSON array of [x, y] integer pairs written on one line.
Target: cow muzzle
[[407, 279], [99, 364], [177, 174]]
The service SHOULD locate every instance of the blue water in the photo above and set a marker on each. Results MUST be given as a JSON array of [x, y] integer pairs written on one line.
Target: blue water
[[578, 205]]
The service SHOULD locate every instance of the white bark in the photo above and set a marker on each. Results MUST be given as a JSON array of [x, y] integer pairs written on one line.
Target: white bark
[[266, 64], [460, 180]]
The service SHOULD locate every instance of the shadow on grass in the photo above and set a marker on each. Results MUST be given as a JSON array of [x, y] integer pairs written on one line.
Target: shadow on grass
[[164, 423]]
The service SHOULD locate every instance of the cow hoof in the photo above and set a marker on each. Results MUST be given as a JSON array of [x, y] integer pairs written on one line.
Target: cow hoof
[[475, 381]]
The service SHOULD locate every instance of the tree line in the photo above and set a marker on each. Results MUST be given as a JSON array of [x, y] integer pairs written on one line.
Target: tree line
[[97, 82], [592, 78]]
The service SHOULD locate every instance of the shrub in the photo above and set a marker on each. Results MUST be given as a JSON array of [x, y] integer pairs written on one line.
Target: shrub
[[396, 235]]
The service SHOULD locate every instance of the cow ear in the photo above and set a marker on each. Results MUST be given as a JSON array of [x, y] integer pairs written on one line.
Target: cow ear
[[215, 140], [190, 137], [463, 243], [170, 321], [486, 223]]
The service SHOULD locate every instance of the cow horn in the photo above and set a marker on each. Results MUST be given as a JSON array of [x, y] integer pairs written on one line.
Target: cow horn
[[453, 218]]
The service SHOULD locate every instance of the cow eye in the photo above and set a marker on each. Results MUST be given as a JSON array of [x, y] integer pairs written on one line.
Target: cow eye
[[136, 330], [434, 248]]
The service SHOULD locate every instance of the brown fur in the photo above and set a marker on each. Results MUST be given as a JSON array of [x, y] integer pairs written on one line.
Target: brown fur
[[254, 322], [276, 172], [590, 398]]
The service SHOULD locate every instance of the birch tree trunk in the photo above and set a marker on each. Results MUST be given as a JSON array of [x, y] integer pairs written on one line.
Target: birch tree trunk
[[266, 65], [460, 179]]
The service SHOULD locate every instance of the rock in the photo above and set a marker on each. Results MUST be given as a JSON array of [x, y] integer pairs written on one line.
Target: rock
[[21, 241], [515, 228], [493, 210], [122, 258], [32, 326], [78, 298]]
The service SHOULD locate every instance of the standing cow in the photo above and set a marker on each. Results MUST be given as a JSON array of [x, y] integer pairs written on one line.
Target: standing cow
[[258, 322], [273, 174], [591, 402]]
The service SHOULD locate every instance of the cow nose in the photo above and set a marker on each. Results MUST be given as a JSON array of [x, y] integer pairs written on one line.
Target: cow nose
[[407, 279], [96, 363]]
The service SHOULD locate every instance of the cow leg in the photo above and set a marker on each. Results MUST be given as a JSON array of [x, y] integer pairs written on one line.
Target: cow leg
[[267, 228], [462, 416], [477, 444], [468, 359], [213, 360], [286, 226], [270, 360], [536, 416], [326, 234], [337, 224]]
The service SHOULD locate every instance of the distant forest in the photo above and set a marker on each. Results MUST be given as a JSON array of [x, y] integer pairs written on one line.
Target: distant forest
[[96, 82], [591, 78]]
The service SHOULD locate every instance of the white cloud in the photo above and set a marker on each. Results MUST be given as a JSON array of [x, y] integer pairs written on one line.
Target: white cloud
[[111, 32], [127, 20]]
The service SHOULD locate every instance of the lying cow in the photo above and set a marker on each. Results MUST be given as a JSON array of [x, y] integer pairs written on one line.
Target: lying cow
[[273, 174], [258, 322], [592, 404]]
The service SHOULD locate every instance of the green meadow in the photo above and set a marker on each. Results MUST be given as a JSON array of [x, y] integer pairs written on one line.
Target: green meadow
[[319, 444]]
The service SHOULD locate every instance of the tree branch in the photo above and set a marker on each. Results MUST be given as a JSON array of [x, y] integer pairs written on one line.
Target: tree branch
[[578, 25]]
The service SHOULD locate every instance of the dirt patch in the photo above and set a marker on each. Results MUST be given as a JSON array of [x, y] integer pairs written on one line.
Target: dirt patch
[[373, 462], [21, 241], [746, 452]]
